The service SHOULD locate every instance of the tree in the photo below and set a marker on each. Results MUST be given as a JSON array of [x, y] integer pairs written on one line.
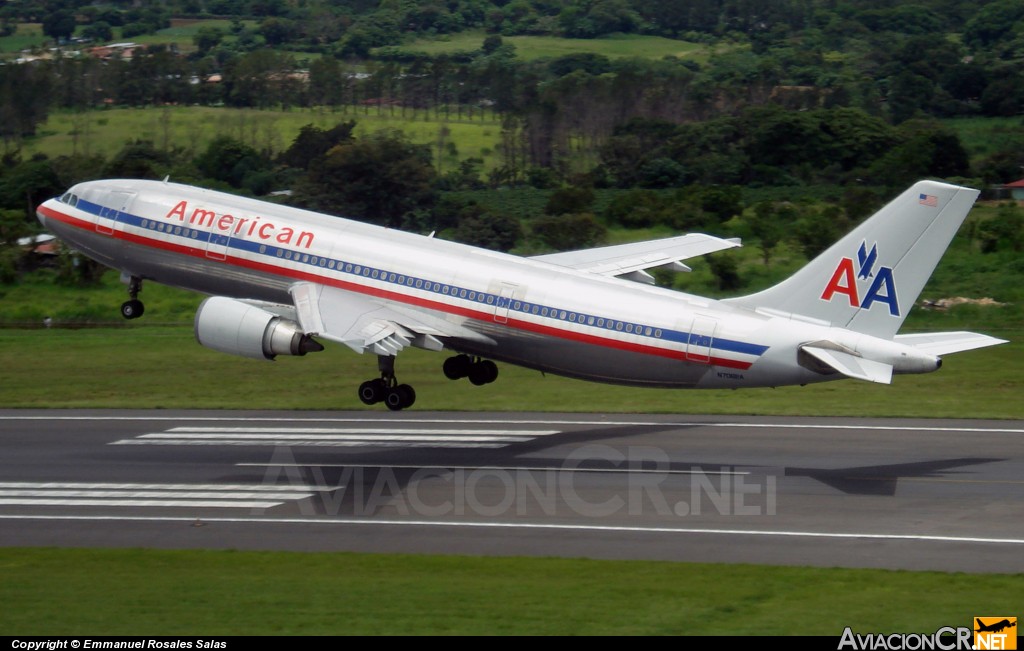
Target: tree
[[766, 225], [569, 200], [567, 232], [232, 162], [138, 160], [489, 230], [26, 184], [313, 142], [98, 31], [59, 24], [378, 179], [207, 38], [1005, 230]]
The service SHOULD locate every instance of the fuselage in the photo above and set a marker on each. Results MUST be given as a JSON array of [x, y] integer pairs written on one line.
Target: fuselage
[[538, 315]]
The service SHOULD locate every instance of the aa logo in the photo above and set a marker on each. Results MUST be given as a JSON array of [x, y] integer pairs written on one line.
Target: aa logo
[[877, 285], [995, 633]]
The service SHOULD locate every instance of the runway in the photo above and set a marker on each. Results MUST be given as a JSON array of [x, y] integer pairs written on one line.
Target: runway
[[901, 494]]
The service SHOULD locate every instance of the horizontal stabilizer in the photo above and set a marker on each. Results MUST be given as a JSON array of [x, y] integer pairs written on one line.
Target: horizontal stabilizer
[[943, 343], [851, 365]]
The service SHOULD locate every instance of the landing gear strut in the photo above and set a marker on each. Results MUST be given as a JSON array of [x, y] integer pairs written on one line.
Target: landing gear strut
[[387, 389], [479, 371], [133, 309]]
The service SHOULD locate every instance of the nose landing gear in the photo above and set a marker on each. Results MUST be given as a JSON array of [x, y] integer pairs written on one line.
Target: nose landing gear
[[133, 308]]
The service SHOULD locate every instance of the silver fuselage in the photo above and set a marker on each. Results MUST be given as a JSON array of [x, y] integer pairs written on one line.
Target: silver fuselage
[[538, 315]]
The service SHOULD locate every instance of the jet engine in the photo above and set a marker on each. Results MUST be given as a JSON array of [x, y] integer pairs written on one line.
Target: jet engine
[[239, 328]]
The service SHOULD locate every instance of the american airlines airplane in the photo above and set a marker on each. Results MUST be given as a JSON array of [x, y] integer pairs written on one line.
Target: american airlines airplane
[[279, 279]]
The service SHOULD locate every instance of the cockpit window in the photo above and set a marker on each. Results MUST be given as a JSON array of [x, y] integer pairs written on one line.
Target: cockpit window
[[70, 199]]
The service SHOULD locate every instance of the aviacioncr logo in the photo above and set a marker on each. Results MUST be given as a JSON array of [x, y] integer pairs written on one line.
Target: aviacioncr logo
[[848, 281]]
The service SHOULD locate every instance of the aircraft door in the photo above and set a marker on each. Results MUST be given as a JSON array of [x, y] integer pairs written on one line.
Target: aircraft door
[[702, 335], [217, 245], [114, 212], [505, 298]]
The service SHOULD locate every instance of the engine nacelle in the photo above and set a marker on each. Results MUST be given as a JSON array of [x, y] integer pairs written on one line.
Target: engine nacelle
[[238, 328]]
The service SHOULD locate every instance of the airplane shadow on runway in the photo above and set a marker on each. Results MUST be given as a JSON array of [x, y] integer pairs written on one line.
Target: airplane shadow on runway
[[355, 475]]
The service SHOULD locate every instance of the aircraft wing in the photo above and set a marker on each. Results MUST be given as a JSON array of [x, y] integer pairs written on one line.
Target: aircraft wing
[[367, 325], [630, 260], [943, 343]]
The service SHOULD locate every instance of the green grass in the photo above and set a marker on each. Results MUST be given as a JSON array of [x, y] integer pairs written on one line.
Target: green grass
[[183, 30], [148, 592], [984, 136], [25, 37], [537, 47], [163, 367], [105, 131]]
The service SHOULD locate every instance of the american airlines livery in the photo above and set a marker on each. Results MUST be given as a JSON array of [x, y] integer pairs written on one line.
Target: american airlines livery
[[280, 278]]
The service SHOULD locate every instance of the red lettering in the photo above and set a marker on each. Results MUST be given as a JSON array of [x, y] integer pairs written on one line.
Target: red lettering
[[241, 224], [178, 210], [203, 217], [285, 236], [225, 221], [263, 231], [843, 282]]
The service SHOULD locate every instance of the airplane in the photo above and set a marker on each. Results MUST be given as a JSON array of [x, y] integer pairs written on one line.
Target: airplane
[[997, 627], [280, 280]]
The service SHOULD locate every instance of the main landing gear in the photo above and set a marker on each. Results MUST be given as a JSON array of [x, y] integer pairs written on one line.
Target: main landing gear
[[399, 396], [479, 371], [387, 389], [133, 309]]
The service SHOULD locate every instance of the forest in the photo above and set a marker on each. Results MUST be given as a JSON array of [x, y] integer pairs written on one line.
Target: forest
[[853, 98]]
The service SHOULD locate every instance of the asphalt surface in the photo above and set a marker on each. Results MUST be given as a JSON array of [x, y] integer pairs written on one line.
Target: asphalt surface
[[904, 494]]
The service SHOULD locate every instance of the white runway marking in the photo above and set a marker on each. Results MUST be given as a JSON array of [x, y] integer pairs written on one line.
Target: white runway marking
[[652, 471], [538, 526], [337, 437], [165, 495]]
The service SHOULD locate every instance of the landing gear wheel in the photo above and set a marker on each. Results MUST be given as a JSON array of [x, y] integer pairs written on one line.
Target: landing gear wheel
[[372, 391], [484, 372], [400, 397], [386, 389], [457, 367], [132, 309]]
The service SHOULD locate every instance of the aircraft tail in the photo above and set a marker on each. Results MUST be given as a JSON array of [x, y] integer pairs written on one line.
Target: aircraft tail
[[869, 280]]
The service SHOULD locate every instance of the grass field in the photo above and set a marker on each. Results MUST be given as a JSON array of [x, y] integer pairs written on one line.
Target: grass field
[[26, 36], [180, 33], [163, 367], [150, 592], [985, 136], [104, 132], [529, 48]]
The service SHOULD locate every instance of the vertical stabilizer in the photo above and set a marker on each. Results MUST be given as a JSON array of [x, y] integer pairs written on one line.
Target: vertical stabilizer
[[869, 280]]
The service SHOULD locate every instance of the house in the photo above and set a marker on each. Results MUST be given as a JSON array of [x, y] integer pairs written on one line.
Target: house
[[1016, 190]]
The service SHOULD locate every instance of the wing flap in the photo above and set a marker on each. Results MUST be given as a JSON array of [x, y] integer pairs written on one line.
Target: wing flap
[[365, 325], [632, 259], [943, 343]]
